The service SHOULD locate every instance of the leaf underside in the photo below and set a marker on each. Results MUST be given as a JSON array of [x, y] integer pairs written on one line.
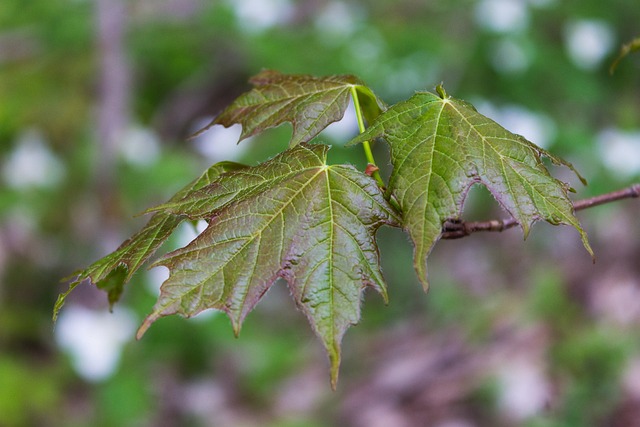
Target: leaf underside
[[113, 271], [309, 103], [292, 217], [440, 147]]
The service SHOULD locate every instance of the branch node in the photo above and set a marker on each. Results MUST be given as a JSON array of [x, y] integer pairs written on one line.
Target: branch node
[[455, 228]]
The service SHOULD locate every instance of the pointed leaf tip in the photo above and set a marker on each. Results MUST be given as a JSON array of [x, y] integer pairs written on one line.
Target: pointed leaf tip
[[144, 327], [62, 299], [335, 369]]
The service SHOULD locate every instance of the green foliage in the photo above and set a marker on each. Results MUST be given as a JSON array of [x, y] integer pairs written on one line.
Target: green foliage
[[114, 270], [26, 396], [309, 103], [441, 146], [292, 217], [312, 224]]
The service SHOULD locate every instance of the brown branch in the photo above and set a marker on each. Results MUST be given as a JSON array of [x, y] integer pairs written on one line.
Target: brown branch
[[456, 229]]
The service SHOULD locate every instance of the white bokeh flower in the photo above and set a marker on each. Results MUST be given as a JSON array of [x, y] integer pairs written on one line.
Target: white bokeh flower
[[94, 339], [524, 390], [345, 129], [502, 16], [588, 42], [259, 15], [620, 151], [536, 127], [139, 147], [509, 57], [219, 143], [336, 20], [32, 163]]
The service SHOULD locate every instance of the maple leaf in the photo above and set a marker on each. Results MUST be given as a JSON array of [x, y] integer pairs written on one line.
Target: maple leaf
[[292, 217], [113, 271], [309, 103], [441, 146]]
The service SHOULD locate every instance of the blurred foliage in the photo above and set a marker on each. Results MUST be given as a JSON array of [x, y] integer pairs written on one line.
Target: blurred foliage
[[187, 59]]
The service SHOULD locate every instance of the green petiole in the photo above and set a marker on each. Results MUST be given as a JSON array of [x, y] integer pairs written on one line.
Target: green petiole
[[367, 151], [367, 147]]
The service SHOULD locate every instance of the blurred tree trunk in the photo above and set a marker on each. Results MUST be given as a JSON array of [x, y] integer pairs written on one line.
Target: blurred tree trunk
[[113, 111]]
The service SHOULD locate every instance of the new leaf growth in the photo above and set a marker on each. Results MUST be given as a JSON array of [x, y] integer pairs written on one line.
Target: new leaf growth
[[312, 224]]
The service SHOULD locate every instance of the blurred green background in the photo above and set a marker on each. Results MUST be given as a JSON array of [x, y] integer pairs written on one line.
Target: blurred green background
[[96, 99]]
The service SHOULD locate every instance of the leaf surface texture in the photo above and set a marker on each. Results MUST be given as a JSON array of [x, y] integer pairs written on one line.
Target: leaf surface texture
[[309, 103], [292, 217], [441, 146], [113, 271]]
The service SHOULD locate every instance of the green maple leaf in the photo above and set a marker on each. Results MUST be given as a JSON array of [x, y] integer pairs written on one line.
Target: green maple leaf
[[113, 271], [292, 217], [309, 103], [441, 146]]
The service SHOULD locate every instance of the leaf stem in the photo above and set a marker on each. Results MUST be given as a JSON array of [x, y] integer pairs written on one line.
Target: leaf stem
[[367, 147], [455, 229], [368, 154]]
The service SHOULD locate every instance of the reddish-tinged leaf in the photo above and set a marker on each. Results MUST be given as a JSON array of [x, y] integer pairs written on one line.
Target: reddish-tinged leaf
[[309, 103], [293, 217], [113, 271]]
